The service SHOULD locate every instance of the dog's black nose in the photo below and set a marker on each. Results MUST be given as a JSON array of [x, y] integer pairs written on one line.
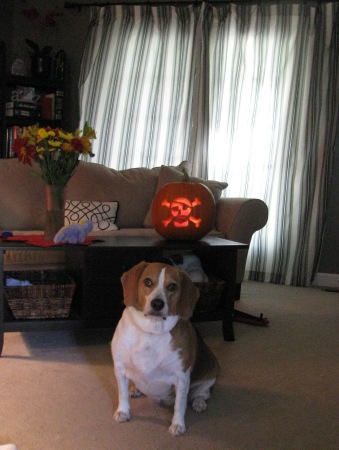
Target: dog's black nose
[[157, 304]]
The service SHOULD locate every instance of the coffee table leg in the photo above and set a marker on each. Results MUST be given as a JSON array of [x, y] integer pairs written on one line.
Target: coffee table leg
[[229, 296], [1, 300]]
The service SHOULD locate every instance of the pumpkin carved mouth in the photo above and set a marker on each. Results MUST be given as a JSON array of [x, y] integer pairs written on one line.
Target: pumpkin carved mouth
[[180, 221]]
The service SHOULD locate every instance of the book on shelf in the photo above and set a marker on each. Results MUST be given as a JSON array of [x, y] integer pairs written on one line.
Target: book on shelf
[[29, 103], [20, 108], [48, 106], [11, 112], [59, 104], [19, 104], [11, 134], [52, 105]]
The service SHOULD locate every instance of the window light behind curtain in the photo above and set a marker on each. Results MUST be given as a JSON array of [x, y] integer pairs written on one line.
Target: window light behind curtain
[[247, 93]]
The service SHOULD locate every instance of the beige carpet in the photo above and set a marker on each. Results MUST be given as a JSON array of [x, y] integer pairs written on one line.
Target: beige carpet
[[278, 387]]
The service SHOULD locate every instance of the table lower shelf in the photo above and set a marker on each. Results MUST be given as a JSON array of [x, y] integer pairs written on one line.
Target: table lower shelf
[[75, 322], [42, 325]]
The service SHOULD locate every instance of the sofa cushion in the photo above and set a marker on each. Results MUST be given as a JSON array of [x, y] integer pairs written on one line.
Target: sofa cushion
[[168, 175], [184, 166], [101, 214], [133, 189]]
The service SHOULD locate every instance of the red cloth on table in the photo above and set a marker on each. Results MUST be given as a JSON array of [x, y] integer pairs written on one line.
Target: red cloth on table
[[39, 241]]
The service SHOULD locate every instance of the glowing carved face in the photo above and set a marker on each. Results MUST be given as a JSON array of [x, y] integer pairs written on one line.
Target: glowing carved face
[[181, 209]]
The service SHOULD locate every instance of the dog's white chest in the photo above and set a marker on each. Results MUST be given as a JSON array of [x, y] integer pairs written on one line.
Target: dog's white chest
[[153, 352], [148, 360], [152, 365]]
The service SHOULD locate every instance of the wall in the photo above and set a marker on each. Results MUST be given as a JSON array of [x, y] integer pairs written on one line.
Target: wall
[[6, 22], [70, 35], [328, 270]]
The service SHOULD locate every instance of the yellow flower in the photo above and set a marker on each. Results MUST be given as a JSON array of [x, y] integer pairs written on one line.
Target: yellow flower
[[55, 143], [31, 131], [65, 135], [31, 140], [43, 134], [90, 133]]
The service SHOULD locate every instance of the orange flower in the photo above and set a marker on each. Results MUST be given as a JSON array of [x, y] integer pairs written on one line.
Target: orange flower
[[86, 145], [66, 147], [25, 152]]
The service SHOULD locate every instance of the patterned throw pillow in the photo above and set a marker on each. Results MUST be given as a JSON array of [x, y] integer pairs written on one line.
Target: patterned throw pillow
[[101, 214]]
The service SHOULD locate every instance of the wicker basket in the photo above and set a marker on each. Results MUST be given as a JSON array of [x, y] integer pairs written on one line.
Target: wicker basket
[[210, 295], [49, 296]]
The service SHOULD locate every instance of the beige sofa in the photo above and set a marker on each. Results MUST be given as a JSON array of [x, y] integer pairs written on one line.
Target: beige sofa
[[22, 206]]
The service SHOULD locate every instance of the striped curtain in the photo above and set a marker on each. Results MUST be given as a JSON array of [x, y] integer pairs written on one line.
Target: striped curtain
[[137, 83], [248, 93]]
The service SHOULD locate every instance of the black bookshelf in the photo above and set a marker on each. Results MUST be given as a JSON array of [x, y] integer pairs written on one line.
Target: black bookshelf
[[47, 113]]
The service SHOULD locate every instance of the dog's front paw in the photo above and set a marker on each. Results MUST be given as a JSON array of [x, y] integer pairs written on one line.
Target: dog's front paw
[[199, 405], [121, 416], [176, 429]]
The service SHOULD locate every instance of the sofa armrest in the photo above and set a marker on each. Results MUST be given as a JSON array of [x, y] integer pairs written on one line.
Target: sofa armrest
[[238, 219]]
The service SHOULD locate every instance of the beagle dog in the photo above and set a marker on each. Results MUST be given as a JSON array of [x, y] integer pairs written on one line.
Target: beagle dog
[[156, 347]]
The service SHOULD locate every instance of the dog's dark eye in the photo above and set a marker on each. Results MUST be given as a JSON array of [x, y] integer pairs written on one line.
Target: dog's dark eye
[[172, 287], [147, 282]]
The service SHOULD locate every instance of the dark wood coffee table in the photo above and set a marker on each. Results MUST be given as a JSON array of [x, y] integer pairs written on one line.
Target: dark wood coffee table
[[97, 270]]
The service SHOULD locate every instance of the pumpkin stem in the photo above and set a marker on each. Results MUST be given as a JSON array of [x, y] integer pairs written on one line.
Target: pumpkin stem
[[186, 178]]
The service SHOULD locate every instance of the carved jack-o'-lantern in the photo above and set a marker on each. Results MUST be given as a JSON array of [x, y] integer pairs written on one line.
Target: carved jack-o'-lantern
[[183, 210]]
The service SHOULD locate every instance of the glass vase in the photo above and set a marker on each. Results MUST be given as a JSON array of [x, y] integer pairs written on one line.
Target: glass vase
[[55, 209]]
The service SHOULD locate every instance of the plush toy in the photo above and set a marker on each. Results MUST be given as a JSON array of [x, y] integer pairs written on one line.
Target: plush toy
[[190, 263], [74, 233]]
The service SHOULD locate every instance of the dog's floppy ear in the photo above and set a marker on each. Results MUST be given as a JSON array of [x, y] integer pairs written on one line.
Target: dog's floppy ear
[[188, 298], [129, 281]]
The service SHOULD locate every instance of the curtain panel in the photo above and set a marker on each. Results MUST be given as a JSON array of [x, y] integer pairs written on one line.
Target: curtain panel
[[248, 93], [137, 83]]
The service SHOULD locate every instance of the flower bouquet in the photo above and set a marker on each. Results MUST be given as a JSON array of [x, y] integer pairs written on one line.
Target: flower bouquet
[[57, 152]]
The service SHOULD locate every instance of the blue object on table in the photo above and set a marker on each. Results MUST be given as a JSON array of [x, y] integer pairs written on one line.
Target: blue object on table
[[6, 234]]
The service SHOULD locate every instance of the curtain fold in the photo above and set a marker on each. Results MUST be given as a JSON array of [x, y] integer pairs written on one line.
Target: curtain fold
[[248, 93], [136, 83]]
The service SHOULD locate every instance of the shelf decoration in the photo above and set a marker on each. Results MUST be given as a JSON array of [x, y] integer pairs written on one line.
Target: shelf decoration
[[41, 60], [42, 24], [57, 152]]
